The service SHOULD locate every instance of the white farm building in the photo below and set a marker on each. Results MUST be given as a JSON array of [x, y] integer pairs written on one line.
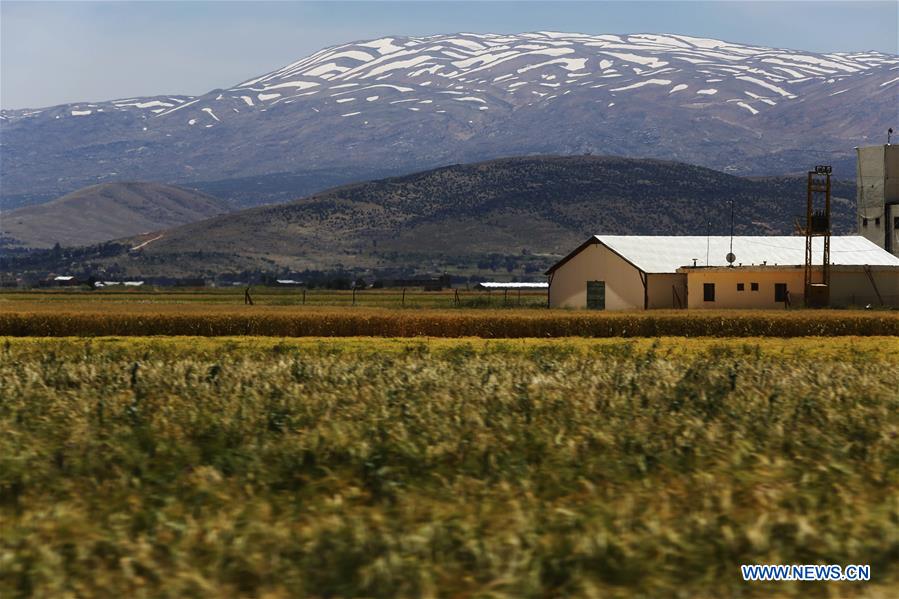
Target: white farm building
[[633, 272]]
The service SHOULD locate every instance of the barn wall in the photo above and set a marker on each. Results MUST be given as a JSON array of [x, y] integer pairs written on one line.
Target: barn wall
[[659, 289], [624, 289], [727, 296]]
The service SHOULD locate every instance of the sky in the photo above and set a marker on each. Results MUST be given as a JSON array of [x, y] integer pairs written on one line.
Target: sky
[[61, 52]]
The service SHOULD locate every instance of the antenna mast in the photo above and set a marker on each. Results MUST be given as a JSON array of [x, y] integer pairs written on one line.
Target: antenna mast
[[730, 255]]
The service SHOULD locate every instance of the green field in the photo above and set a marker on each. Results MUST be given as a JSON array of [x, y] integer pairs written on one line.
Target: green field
[[359, 467]]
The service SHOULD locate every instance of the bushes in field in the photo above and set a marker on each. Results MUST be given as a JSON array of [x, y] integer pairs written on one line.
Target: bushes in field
[[172, 468], [220, 321]]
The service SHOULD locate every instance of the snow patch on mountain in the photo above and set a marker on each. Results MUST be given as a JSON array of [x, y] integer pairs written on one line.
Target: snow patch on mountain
[[642, 83], [383, 46]]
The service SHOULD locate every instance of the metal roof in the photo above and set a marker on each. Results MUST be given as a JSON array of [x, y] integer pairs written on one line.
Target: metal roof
[[665, 254]]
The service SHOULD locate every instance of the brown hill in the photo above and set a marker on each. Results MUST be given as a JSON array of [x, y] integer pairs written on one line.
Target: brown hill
[[106, 211], [515, 213]]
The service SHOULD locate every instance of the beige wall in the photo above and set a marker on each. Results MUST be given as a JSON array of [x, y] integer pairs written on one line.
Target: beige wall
[[848, 287], [624, 289], [727, 296], [660, 295]]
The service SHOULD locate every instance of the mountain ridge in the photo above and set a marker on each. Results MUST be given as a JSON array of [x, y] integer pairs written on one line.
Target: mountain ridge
[[410, 103]]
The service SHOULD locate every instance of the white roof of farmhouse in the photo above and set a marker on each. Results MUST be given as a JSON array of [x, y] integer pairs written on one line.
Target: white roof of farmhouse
[[665, 254]]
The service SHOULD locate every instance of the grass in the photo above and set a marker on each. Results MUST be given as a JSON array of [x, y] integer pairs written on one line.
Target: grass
[[154, 467]]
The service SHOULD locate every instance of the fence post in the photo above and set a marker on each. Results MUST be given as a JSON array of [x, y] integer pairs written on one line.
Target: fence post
[[519, 297], [304, 297], [354, 296], [404, 297]]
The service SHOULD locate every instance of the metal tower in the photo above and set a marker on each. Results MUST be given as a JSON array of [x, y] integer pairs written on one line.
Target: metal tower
[[817, 224]]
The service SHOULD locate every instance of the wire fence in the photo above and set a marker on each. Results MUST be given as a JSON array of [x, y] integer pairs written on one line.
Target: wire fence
[[273, 296]]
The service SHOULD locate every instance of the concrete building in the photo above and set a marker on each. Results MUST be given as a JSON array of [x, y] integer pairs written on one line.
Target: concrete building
[[632, 272], [877, 185]]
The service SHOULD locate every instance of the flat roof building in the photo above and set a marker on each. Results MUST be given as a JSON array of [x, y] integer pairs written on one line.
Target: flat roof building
[[632, 272], [877, 195]]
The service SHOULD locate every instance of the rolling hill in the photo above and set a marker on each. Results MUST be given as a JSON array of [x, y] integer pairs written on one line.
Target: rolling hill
[[383, 107], [103, 212], [515, 214]]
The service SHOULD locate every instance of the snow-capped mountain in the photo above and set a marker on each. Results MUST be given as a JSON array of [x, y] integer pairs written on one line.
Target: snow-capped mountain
[[402, 103]]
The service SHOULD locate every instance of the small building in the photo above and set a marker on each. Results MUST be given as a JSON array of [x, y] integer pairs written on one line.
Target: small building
[[633, 272], [500, 286], [65, 281]]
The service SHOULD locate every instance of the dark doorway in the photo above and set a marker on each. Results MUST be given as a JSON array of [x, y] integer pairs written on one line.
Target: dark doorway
[[596, 295], [780, 292]]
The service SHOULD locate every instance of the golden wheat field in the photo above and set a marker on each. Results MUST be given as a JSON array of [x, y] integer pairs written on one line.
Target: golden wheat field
[[178, 444], [362, 467]]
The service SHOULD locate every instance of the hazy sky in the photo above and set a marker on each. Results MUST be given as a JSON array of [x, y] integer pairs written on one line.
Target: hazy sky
[[59, 52]]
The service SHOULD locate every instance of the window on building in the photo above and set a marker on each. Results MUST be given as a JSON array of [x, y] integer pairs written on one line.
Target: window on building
[[708, 292], [754, 286], [864, 222], [741, 286], [896, 223], [780, 292], [877, 222]]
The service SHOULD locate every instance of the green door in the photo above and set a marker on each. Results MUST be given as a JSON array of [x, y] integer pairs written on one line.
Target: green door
[[596, 295]]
